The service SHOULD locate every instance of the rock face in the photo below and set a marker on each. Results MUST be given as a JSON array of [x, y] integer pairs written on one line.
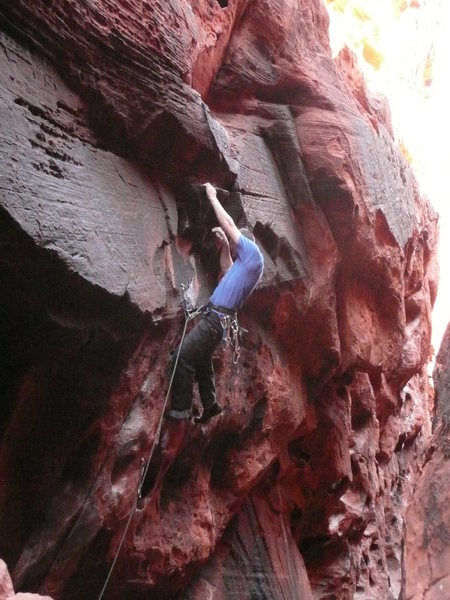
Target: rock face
[[427, 542], [111, 115]]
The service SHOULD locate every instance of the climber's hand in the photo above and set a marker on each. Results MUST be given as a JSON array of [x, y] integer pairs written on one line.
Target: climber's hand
[[220, 237], [210, 191]]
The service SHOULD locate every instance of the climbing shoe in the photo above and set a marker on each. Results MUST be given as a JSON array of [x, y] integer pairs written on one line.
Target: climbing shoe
[[208, 413]]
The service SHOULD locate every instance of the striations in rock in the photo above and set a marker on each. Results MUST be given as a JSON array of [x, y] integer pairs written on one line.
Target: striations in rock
[[427, 523], [112, 114]]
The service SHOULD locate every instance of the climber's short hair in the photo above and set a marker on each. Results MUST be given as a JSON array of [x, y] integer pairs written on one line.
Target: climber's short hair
[[247, 232]]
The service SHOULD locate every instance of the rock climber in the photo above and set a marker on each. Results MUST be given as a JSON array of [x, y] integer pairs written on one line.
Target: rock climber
[[241, 263]]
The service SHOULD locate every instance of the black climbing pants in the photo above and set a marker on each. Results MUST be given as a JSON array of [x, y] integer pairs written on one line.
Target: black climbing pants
[[195, 364]]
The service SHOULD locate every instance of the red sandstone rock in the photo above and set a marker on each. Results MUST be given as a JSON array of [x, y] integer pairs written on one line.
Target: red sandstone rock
[[256, 557], [427, 555], [306, 475]]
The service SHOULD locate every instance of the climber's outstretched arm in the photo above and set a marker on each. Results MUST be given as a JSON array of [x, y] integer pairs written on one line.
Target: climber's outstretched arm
[[225, 221], [225, 255]]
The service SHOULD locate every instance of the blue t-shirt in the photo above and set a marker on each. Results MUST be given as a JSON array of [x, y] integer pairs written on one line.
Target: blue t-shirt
[[241, 278]]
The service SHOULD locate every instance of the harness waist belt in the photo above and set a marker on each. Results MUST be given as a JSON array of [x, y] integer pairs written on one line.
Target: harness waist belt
[[222, 309]]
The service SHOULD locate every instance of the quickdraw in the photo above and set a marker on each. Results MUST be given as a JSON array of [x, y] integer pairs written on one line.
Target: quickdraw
[[231, 336], [236, 335]]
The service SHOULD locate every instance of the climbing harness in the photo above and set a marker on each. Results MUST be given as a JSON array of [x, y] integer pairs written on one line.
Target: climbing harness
[[189, 315]]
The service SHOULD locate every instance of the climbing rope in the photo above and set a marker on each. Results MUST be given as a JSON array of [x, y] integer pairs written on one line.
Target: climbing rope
[[189, 315]]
